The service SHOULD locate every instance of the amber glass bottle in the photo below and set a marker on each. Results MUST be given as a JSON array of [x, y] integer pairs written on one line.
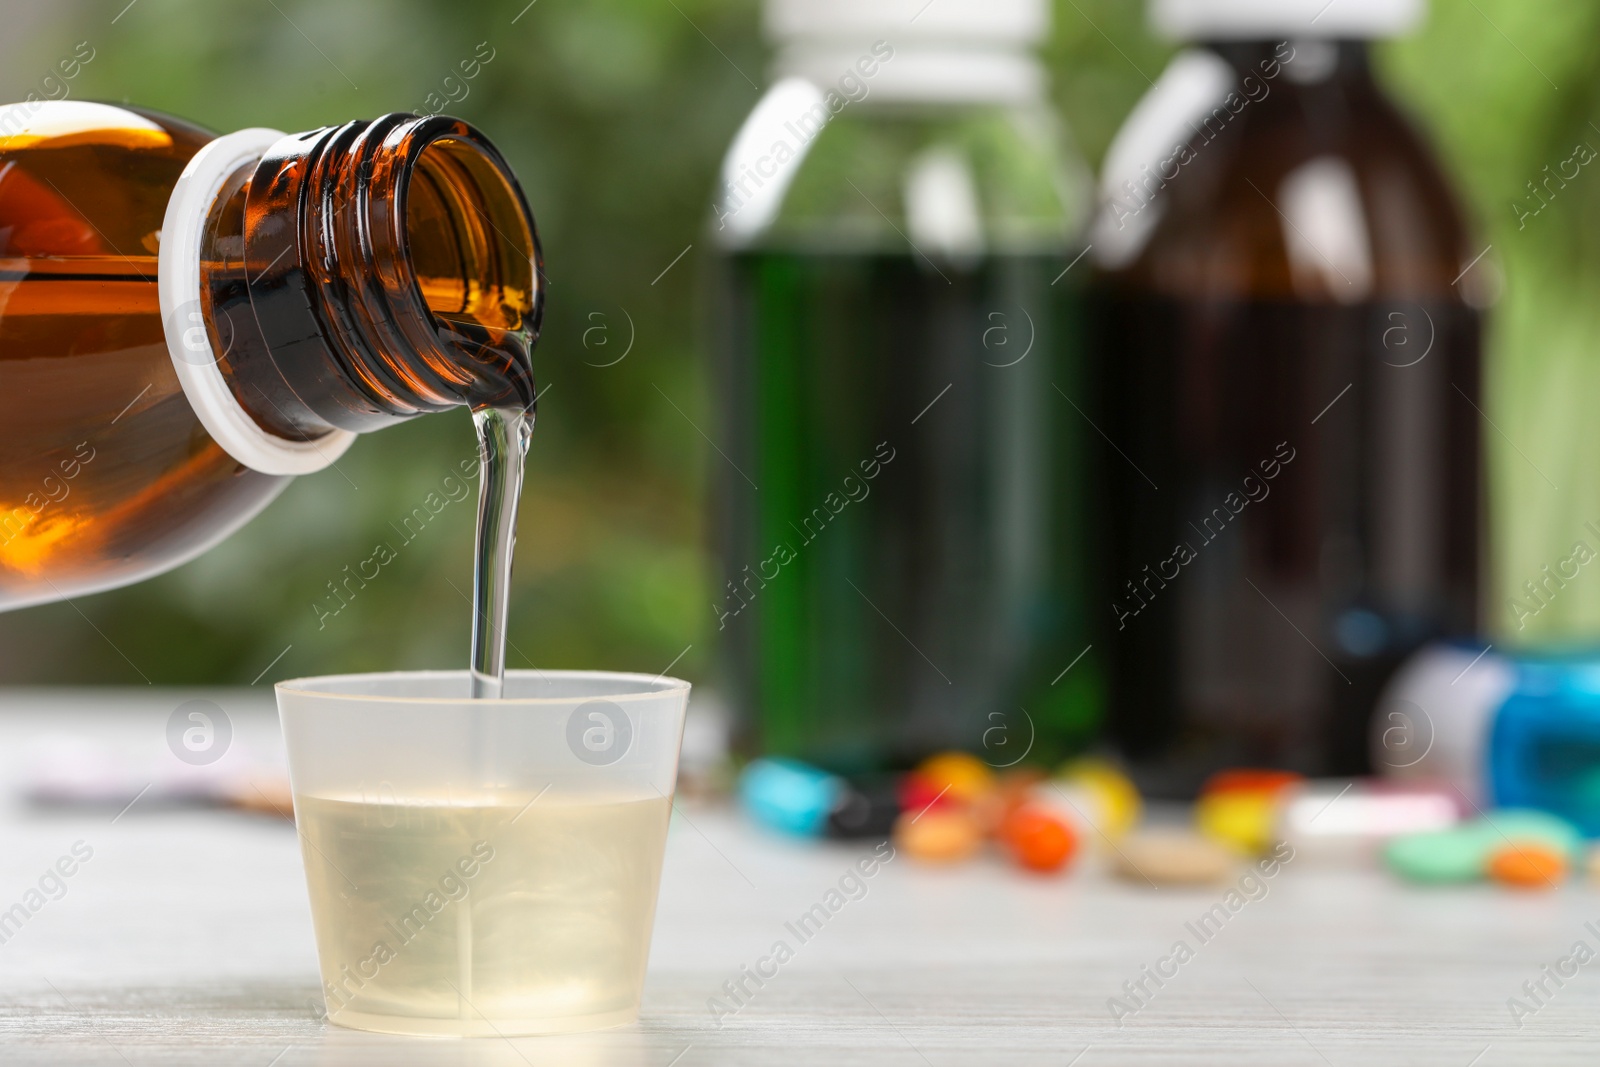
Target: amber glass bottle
[[187, 320], [1291, 366]]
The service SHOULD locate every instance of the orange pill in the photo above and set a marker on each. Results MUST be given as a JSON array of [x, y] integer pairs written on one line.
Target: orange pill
[[1527, 865], [938, 835], [1038, 839], [1249, 780]]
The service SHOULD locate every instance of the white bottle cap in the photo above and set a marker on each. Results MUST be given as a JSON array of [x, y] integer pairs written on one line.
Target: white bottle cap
[[980, 22], [947, 51], [1218, 20], [194, 358]]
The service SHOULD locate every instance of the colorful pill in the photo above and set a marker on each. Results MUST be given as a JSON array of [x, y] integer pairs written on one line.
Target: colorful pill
[[1249, 780], [962, 776], [1037, 839], [790, 796], [1115, 801], [938, 835], [1172, 857], [1241, 819], [917, 793], [1438, 857], [1527, 865]]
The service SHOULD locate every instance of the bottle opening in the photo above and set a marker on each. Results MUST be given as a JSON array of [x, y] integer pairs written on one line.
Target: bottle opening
[[362, 274], [470, 248], [450, 242]]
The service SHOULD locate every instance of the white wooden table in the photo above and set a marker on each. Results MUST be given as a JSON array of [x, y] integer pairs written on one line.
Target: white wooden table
[[186, 939]]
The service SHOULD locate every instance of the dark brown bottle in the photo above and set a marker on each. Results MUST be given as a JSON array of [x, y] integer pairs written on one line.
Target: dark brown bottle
[[186, 320], [1291, 388]]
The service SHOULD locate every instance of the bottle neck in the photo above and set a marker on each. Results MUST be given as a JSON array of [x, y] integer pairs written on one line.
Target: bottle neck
[[363, 274], [1304, 61], [912, 52], [937, 73]]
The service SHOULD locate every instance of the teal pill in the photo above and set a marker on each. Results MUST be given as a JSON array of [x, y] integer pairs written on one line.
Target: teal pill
[[1439, 857]]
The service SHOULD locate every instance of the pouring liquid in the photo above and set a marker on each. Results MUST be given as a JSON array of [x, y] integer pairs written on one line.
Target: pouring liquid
[[502, 447], [502, 450]]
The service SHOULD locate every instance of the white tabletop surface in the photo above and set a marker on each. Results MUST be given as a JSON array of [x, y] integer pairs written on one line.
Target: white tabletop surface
[[186, 939]]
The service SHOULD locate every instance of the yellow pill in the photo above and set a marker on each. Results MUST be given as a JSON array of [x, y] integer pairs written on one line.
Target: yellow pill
[[958, 775], [1242, 819], [1117, 802]]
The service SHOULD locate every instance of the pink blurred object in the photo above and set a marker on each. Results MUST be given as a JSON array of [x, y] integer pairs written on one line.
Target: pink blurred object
[[1348, 821], [64, 770]]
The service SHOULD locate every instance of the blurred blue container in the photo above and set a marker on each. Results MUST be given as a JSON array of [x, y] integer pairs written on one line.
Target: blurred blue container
[[1544, 749]]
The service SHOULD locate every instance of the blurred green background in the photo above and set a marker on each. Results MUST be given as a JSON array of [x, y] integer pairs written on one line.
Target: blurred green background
[[615, 113]]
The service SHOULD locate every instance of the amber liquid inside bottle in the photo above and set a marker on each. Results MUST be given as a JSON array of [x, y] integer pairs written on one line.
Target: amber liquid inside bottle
[[105, 473], [1292, 376]]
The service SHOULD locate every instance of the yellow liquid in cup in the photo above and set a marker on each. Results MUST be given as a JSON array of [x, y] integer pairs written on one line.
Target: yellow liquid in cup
[[479, 918]]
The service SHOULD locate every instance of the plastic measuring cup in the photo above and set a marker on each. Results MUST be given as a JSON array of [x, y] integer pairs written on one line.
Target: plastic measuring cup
[[483, 867]]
